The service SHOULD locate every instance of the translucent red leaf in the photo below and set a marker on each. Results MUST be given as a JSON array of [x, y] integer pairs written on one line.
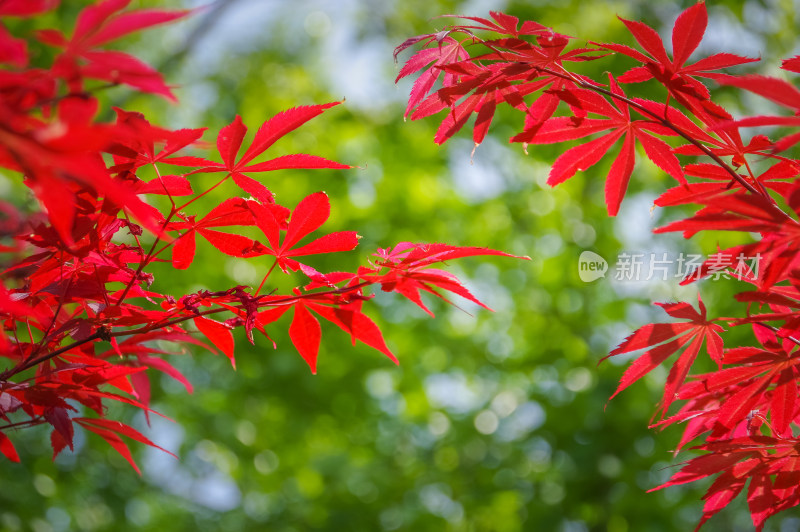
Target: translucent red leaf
[[142, 391], [171, 185], [253, 187], [308, 216], [662, 156], [118, 67], [218, 334], [562, 129], [409, 254], [649, 39], [265, 220], [646, 363], [279, 125], [444, 280], [760, 500], [232, 211], [109, 430], [650, 335], [229, 141], [456, 118], [701, 467], [725, 488], [61, 422], [183, 251], [167, 368], [792, 64], [484, 119], [738, 405], [57, 442], [688, 32], [581, 157], [330, 243], [295, 161], [233, 245], [679, 371], [26, 8], [619, 175], [626, 50], [358, 325], [783, 405], [127, 23], [777, 90], [636, 75], [12, 51], [306, 334], [717, 61], [93, 17]]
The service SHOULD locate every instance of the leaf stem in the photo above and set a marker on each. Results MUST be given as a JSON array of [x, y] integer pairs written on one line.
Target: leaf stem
[[264, 280]]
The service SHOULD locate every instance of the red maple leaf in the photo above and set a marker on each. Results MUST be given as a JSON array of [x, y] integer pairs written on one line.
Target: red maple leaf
[[98, 25], [229, 143], [662, 340], [308, 216], [678, 77], [772, 466], [447, 51], [231, 212], [305, 331], [586, 155]]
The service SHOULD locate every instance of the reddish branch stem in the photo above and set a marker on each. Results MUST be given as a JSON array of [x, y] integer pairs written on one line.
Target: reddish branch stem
[[101, 333]]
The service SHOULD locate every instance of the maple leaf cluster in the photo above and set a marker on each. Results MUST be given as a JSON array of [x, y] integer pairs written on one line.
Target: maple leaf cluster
[[748, 411], [82, 319]]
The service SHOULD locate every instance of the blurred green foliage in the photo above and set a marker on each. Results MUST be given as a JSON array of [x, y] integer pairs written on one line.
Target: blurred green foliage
[[493, 421]]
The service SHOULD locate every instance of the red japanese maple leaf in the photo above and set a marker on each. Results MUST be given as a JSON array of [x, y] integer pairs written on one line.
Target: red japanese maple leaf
[[778, 91], [770, 464], [586, 155], [447, 51], [231, 212], [674, 74], [307, 217], [98, 25], [305, 331], [229, 143], [662, 340]]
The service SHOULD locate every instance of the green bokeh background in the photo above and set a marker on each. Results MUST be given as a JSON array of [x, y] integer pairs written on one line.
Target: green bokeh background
[[493, 421]]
